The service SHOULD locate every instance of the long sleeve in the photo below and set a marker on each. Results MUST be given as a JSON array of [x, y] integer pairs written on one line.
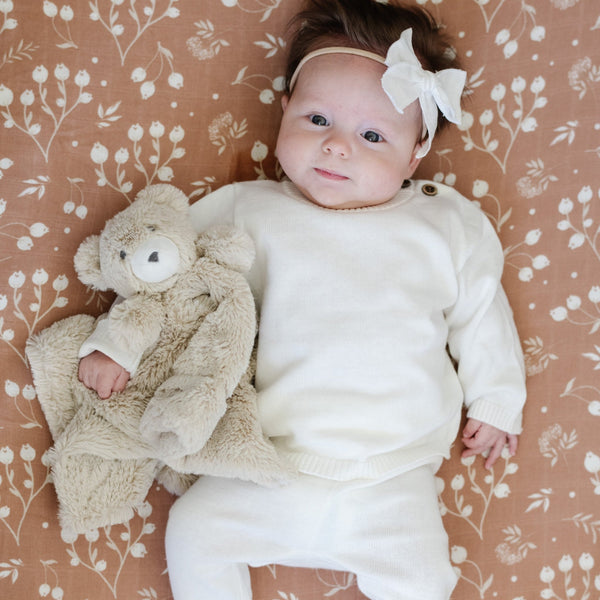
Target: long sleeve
[[101, 340], [483, 338]]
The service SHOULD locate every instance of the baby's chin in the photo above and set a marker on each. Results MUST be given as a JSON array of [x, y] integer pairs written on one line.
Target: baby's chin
[[334, 203], [336, 192]]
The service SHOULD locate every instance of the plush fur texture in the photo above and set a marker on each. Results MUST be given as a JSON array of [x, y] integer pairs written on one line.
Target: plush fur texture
[[190, 408]]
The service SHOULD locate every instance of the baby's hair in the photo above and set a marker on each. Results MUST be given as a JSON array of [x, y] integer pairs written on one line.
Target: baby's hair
[[368, 25]]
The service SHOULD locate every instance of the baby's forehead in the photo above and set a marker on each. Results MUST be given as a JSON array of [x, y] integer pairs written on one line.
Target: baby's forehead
[[339, 77], [339, 67]]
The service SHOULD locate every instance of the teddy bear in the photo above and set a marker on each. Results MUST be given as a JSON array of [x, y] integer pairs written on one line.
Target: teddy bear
[[185, 311]]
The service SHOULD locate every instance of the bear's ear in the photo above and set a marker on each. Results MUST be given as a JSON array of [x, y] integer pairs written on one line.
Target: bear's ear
[[87, 263], [164, 195]]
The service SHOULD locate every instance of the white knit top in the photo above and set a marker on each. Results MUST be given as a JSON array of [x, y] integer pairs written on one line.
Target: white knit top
[[358, 310]]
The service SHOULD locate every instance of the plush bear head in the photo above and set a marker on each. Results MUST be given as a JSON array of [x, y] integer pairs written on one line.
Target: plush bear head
[[142, 249]]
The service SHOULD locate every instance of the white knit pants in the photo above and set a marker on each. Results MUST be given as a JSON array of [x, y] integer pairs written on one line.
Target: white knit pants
[[389, 534]]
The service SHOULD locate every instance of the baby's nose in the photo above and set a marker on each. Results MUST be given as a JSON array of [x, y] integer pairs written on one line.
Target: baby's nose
[[336, 144]]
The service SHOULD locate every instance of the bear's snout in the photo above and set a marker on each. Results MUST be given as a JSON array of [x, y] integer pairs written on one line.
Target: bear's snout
[[155, 260]]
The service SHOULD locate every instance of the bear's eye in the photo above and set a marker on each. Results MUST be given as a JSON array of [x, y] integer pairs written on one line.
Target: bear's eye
[[151, 227]]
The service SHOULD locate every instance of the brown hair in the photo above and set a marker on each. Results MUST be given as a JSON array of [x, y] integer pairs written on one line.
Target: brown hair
[[368, 25]]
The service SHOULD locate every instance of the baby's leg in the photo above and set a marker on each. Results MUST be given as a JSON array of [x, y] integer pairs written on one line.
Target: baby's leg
[[221, 525], [391, 535], [215, 530]]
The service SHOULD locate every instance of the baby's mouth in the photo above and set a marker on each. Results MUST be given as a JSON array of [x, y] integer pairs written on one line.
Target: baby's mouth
[[332, 175]]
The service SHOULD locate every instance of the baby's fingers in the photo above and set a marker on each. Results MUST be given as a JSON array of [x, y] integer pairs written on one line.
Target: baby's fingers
[[103, 386], [473, 446], [121, 381], [495, 452], [472, 426], [479, 442]]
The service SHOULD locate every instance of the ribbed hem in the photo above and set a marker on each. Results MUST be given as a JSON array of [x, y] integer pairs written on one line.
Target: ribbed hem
[[319, 466], [430, 449], [496, 415]]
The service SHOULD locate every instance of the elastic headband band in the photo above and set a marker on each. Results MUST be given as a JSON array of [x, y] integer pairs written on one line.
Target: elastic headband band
[[334, 50], [405, 81]]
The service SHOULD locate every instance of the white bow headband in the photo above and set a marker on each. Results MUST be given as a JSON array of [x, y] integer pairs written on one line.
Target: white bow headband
[[405, 81]]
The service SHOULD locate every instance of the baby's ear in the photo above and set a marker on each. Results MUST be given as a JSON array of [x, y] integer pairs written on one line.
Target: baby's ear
[[87, 263], [415, 159]]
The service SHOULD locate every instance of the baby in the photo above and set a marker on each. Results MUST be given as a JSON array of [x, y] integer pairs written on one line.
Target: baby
[[371, 287]]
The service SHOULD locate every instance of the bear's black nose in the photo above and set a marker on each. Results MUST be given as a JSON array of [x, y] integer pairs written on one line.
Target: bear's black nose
[[122, 254], [153, 257]]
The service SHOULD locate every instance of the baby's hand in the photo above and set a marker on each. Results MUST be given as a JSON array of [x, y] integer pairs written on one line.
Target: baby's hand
[[102, 374], [478, 437]]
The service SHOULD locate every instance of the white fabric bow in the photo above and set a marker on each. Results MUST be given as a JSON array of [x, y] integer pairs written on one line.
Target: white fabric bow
[[405, 81]]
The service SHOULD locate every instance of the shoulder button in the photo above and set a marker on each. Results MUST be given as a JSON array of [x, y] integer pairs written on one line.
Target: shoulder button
[[429, 189]]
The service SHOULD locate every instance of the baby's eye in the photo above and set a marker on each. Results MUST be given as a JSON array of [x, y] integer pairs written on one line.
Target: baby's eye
[[371, 136], [319, 120]]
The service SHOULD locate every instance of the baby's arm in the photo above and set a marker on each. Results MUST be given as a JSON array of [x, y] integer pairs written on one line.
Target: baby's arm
[[479, 437], [102, 374], [104, 366]]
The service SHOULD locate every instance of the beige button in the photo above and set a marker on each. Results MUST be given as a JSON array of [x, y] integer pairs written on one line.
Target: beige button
[[429, 189]]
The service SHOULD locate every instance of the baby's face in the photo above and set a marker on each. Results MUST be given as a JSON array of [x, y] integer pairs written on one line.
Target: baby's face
[[341, 140]]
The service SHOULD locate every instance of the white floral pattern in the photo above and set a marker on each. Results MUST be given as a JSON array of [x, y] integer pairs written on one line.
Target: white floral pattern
[[100, 98]]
